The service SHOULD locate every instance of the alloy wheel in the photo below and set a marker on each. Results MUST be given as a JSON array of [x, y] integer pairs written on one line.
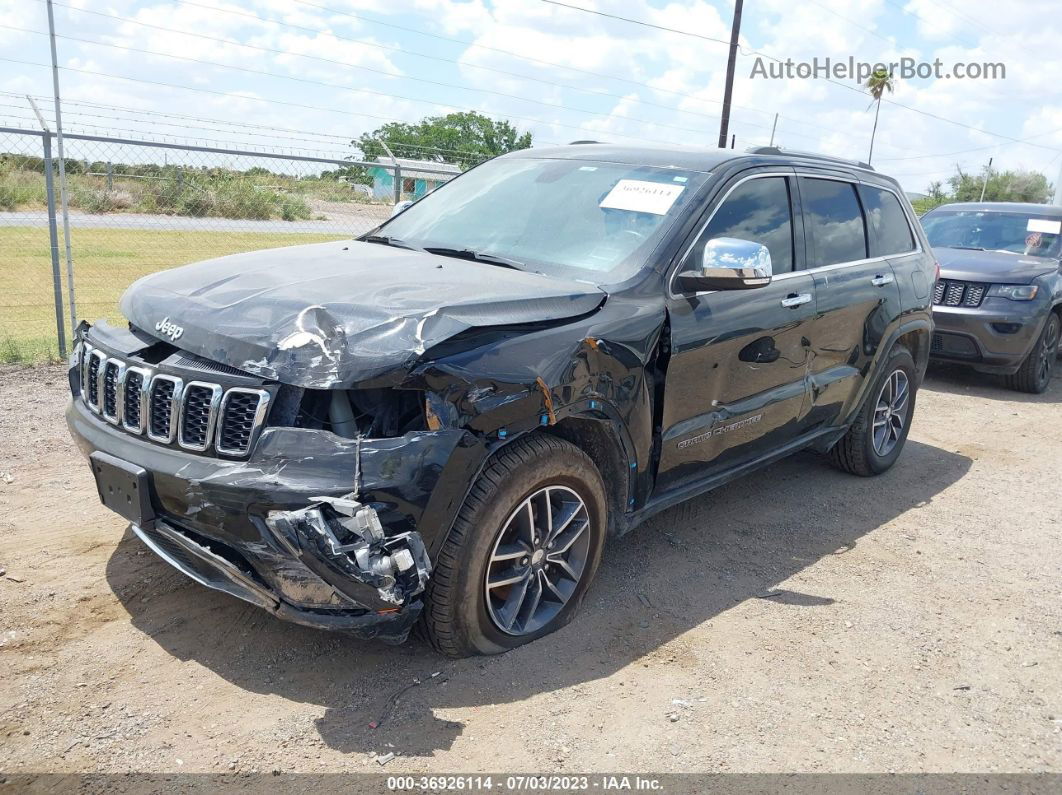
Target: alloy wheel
[[890, 412], [538, 560], [1048, 352]]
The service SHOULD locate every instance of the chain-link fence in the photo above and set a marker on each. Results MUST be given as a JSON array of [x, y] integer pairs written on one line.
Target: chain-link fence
[[136, 207]]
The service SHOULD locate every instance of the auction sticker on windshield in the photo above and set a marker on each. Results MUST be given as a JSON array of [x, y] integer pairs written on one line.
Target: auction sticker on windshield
[[1042, 225], [641, 196]]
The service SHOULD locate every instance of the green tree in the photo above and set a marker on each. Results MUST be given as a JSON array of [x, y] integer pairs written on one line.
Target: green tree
[[1000, 186], [461, 138], [877, 84]]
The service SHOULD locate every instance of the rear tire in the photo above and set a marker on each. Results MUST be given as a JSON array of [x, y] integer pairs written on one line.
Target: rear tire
[[529, 487], [877, 436], [1034, 375]]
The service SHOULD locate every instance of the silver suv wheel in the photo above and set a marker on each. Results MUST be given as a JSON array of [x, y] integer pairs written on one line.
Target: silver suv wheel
[[538, 560]]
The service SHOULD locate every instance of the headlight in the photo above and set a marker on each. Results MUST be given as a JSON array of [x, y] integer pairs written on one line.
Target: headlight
[[1015, 292]]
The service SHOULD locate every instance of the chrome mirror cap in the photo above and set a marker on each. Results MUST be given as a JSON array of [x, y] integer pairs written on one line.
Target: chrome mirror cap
[[729, 263]]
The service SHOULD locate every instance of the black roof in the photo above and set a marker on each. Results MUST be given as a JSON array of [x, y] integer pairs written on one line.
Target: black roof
[[1016, 208], [689, 158]]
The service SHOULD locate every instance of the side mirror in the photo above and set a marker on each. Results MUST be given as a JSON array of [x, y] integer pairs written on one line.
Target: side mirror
[[729, 263], [399, 207]]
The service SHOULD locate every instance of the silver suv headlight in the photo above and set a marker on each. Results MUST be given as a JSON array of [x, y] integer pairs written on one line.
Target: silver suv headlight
[[1015, 292]]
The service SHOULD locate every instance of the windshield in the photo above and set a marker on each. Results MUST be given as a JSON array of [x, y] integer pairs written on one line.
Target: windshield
[[572, 218], [1032, 235]]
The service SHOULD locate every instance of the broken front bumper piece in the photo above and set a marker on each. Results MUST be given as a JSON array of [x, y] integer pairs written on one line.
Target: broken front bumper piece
[[341, 540]]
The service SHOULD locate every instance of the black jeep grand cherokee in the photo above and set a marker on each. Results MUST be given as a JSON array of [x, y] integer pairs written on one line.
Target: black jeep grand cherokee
[[446, 419]]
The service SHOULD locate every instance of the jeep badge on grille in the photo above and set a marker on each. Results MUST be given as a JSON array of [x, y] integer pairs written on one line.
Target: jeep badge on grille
[[171, 330]]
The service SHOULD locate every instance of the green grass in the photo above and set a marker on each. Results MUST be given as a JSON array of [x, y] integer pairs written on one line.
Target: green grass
[[200, 193], [106, 261]]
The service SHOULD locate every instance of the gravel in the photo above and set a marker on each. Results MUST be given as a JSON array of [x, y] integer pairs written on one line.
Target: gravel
[[795, 620]]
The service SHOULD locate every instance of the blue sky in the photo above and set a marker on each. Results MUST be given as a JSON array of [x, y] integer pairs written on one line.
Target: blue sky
[[561, 73]]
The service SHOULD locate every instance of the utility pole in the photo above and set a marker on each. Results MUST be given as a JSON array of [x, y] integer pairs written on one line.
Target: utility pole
[[988, 173], [773, 128], [62, 169], [1058, 187], [728, 93]]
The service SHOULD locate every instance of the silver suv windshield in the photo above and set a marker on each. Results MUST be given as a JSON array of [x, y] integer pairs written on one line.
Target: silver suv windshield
[[573, 218], [1013, 233]]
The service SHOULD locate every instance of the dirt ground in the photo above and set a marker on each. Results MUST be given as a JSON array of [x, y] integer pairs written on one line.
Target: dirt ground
[[796, 620]]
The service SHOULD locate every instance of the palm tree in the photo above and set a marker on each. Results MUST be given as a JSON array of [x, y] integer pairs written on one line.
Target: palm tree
[[877, 84]]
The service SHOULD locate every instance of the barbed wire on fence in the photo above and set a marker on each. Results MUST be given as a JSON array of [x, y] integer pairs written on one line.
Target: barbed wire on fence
[[139, 206]]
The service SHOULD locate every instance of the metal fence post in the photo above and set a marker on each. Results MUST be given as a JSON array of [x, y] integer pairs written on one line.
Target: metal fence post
[[110, 176], [53, 239], [398, 183]]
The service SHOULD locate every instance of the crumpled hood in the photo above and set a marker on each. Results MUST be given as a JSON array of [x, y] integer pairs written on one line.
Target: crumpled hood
[[991, 266], [332, 314]]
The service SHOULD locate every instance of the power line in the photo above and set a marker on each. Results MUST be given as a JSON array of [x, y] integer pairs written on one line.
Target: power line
[[508, 53], [399, 76], [252, 98], [337, 86], [641, 22], [341, 87], [1023, 141], [827, 79], [271, 129], [851, 22], [925, 21]]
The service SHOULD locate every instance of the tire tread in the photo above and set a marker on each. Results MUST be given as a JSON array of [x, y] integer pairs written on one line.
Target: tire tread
[[437, 620]]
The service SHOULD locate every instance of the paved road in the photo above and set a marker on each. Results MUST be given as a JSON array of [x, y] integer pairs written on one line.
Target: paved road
[[354, 223]]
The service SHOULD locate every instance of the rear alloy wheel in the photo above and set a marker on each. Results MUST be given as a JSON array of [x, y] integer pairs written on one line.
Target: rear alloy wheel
[[1034, 375], [878, 432], [890, 412], [523, 550]]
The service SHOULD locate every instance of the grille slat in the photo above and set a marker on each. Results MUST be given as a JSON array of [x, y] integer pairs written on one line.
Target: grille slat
[[241, 413], [132, 416], [111, 371], [953, 292], [197, 415], [92, 379], [198, 412], [161, 409]]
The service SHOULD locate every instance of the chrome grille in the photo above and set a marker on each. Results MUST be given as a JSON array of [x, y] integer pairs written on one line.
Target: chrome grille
[[109, 387], [197, 415], [952, 292], [91, 382], [938, 292], [162, 411], [199, 412], [242, 411], [133, 391]]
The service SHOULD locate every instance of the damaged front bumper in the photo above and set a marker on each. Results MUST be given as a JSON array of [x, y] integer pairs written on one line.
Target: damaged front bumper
[[283, 530], [202, 562]]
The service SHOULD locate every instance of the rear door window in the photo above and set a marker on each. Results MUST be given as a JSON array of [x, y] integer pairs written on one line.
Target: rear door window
[[760, 211], [890, 231], [834, 220]]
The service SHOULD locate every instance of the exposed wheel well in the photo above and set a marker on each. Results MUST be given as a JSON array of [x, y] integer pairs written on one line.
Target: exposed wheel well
[[598, 440], [917, 342]]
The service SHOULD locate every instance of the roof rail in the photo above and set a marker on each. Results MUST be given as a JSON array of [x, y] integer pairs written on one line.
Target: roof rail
[[777, 150]]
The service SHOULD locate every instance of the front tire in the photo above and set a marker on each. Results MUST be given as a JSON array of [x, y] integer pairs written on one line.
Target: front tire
[[876, 438], [1034, 375], [522, 552]]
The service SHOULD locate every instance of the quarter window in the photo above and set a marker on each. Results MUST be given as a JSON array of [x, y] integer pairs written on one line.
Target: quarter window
[[757, 210], [834, 220], [890, 232]]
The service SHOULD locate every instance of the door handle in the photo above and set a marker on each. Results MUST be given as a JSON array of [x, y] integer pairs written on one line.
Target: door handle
[[882, 279], [796, 299]]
